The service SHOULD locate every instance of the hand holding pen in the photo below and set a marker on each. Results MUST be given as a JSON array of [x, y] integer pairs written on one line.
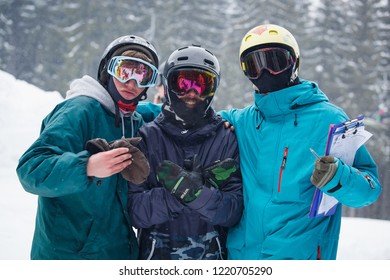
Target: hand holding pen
[[315, 154], [324, 169]]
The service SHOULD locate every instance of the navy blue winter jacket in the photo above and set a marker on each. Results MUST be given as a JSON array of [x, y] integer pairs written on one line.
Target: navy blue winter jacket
[[196, 230]]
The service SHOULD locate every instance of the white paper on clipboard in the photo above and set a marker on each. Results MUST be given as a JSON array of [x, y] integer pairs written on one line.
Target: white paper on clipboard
[[344, 140]]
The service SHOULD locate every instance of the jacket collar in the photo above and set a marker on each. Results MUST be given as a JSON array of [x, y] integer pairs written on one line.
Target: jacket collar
[[190, 136], [287, 100]]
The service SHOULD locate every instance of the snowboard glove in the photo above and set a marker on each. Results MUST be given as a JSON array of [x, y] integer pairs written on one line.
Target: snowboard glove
[[184, 185], [138, 171], [324, 170], [218, 173]]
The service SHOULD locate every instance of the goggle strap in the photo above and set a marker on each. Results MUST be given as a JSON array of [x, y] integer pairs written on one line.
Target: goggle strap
[[116, 58]]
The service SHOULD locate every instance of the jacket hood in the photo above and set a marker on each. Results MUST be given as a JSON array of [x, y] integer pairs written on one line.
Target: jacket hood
[[289, 99], [88, 86]]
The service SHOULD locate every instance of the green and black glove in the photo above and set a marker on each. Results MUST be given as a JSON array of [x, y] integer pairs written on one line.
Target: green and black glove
[[138, 171], [184, 185], [219, 172], [324, 170]]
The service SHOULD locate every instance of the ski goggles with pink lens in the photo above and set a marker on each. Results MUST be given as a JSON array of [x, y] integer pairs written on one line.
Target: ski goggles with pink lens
[[275, 60], [203, 82], [126, 68]]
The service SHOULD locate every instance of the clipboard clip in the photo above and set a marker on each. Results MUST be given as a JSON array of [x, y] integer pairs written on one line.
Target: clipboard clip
[[352, 124]]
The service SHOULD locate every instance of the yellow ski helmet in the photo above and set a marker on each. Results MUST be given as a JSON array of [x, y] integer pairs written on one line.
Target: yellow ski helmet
[[269, 34]]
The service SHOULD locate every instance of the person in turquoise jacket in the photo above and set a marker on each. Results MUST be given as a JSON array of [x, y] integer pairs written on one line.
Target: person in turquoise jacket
[[289, 116], [82, 197]]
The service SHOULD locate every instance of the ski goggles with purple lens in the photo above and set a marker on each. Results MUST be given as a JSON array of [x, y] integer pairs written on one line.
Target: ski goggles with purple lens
[[203, 82], [275, 60], [126, 68]]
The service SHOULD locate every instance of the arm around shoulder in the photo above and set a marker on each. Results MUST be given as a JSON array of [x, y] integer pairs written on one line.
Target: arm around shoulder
[[149, 111]]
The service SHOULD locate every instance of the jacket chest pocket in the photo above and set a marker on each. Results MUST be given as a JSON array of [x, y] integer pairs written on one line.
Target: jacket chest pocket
[[292, 172]]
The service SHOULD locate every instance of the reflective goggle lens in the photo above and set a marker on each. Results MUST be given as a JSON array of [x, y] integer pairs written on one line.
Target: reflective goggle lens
[[275, 60], [125, 68], [185, 80]]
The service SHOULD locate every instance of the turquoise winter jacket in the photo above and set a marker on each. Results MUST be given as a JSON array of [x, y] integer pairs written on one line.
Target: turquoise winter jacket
[[78, 217], [274, 137]]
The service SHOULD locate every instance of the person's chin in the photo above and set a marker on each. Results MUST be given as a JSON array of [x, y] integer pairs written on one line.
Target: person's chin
[[190, 103], [129, 95]]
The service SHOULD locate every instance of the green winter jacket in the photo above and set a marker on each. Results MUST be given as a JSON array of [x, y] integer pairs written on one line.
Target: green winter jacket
[[78, 217]]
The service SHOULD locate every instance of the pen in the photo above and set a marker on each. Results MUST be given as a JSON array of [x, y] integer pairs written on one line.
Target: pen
[[315, 154]]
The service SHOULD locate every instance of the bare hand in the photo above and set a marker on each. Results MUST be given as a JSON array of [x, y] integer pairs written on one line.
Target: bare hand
[[229, 125], [105, 164]]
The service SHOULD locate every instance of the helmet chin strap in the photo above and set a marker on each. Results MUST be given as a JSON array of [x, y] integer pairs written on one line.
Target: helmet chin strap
[[294, 74], [124, 104], [127, 106]]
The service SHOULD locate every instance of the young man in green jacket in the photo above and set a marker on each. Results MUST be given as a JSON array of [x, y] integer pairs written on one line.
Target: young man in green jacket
[[82, 197]]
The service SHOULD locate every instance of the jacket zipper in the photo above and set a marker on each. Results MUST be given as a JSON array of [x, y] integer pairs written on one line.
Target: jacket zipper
[[282, 166], [318, 252]]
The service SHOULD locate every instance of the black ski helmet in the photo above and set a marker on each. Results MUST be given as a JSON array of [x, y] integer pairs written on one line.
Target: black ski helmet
[[118, 46], [191, 57]]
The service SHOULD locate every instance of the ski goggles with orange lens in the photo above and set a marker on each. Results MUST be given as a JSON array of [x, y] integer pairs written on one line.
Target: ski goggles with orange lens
[[126, 68], [183, 81], [275, 60]]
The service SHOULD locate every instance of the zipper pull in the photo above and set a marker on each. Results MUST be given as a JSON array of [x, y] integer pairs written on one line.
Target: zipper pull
[[282, 166], [284, 158], [369, 180]]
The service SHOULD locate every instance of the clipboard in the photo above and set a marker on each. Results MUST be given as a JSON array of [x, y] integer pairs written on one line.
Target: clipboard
[[344, 130], [344, 139]]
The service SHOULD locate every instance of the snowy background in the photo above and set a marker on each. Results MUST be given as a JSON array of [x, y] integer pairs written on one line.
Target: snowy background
[[23, 106]]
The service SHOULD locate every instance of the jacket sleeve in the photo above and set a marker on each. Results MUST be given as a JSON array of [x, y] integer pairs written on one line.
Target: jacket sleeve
[[149, 111], [358, 185], [55, 164], [223, 206], [228, 115], [149, 205]]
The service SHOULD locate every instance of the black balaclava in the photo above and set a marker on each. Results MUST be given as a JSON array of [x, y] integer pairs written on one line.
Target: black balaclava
[[187, 117], [268, 82]]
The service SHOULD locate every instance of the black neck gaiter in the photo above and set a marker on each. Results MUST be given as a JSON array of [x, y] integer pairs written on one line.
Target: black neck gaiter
[[188, 117], [268, 82]]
